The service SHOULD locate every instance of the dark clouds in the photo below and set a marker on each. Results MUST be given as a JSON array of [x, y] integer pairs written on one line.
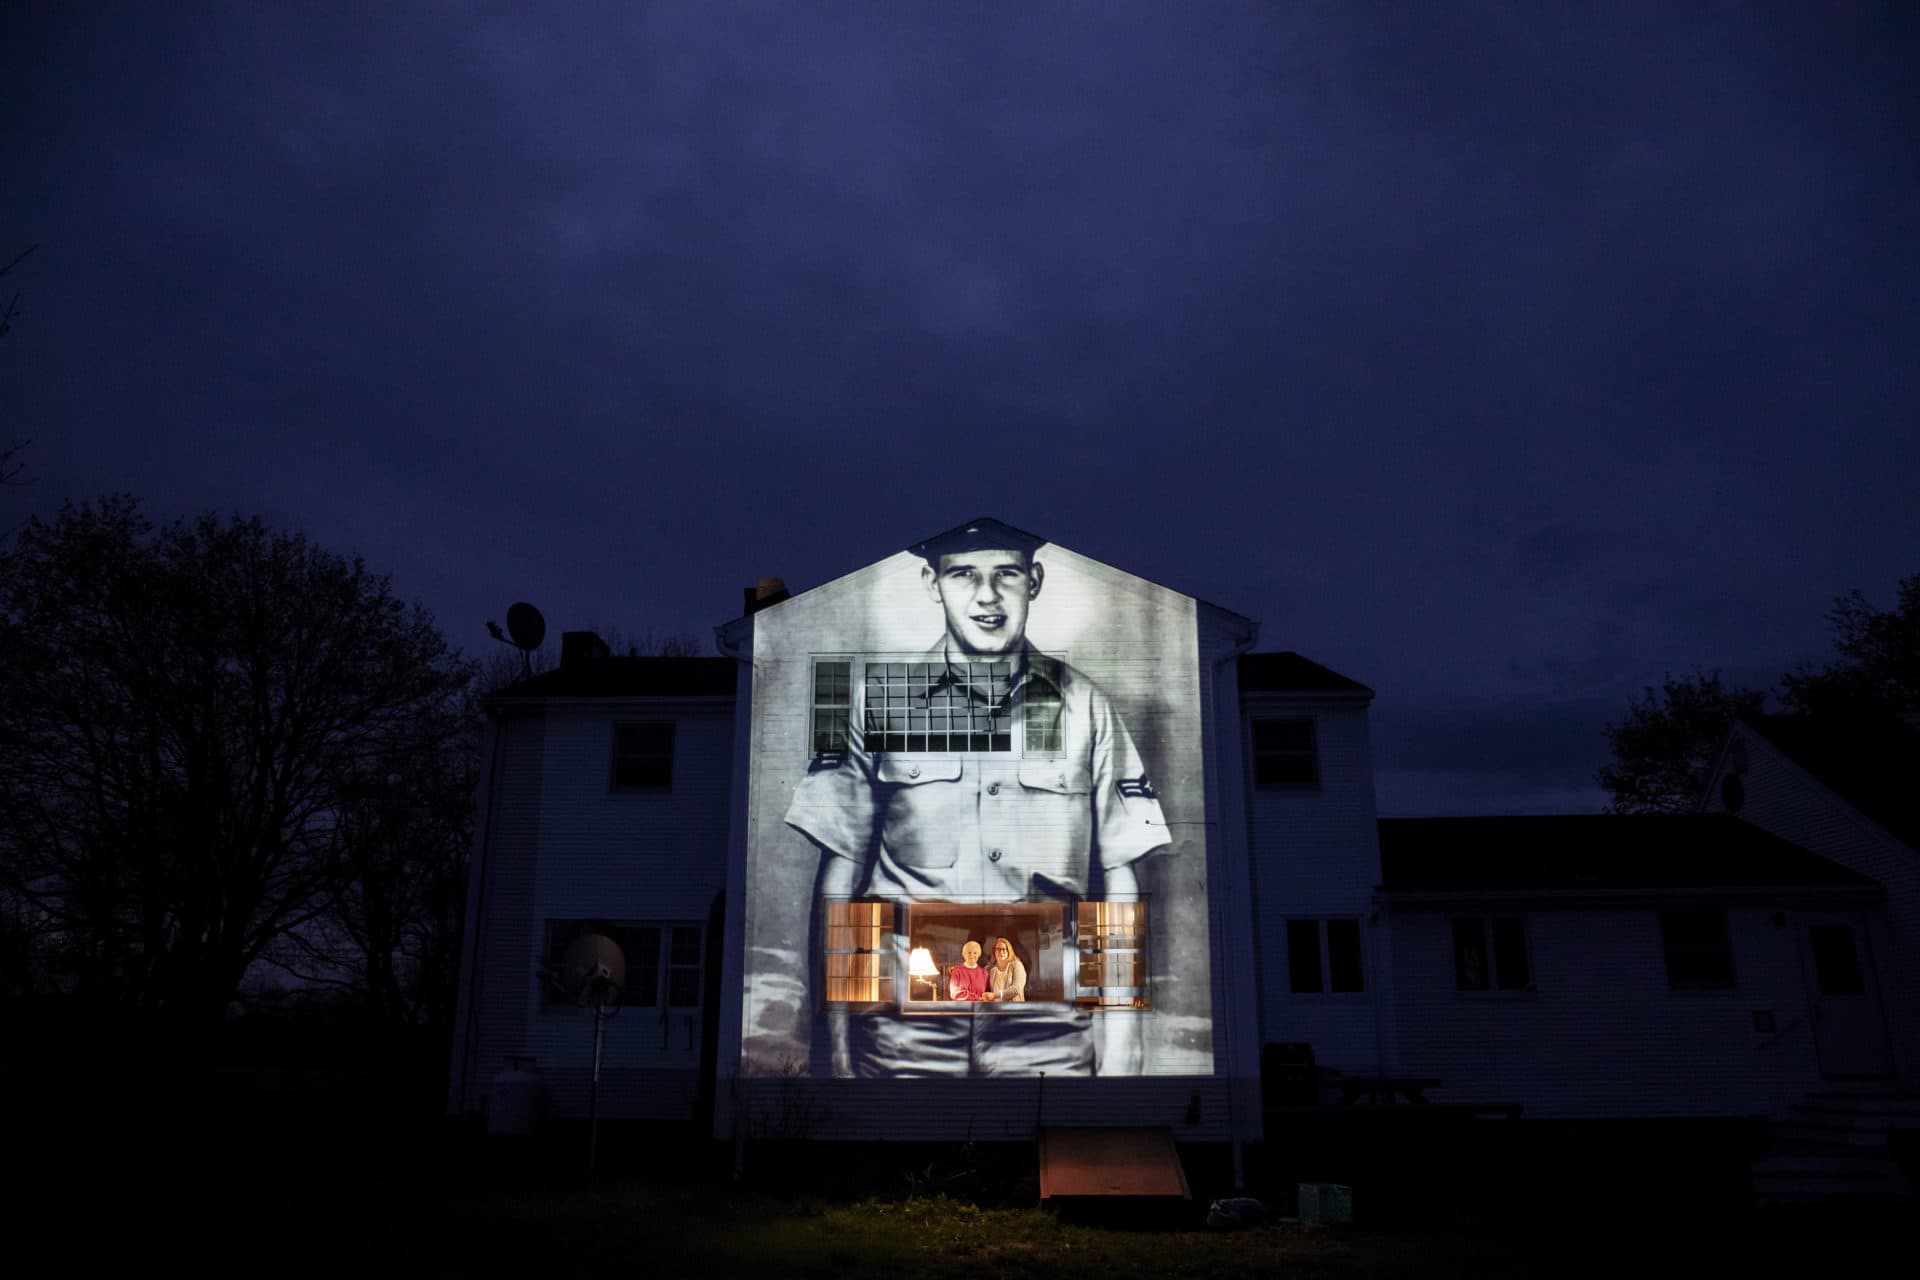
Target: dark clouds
[[1503, 361]]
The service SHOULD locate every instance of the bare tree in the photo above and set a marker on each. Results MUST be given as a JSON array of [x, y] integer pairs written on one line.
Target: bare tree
[[187, 719], [10, 465]]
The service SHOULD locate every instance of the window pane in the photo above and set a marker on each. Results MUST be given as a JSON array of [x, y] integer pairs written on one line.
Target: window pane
[[858, 964], [1836, 964], [1283, 735], [643, 773], [1699, 949], [686, 944], [1284, 771], [683, 988], [1510, 965], [645, 739], [642, 946], [1469, 954], [1303, 955], [1343, 955], [643, 757]]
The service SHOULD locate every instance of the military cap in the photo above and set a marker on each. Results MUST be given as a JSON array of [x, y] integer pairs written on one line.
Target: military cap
[[977, 535]]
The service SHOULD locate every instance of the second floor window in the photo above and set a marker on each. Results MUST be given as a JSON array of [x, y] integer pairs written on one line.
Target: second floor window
[[1285, 755], [642, 757]]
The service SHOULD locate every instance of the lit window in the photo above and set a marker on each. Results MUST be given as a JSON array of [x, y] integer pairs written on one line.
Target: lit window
[[642, 757], [1285, 755], [859, 959], [1113, 955]]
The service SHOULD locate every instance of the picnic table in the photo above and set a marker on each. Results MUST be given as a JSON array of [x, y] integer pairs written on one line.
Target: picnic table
[[1385, 1090]]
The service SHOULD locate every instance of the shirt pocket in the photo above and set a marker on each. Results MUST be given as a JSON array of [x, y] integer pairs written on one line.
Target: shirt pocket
[[1056, 776], [922, 809], [1055, 832]]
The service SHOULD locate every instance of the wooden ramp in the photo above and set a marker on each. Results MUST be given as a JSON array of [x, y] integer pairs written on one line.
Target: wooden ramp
[[1134, 1163]]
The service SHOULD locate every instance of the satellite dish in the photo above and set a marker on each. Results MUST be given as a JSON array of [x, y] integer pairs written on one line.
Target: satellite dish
[[526, 626], [593, 973]]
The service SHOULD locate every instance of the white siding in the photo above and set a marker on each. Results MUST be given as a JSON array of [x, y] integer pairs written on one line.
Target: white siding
[[567, 847], [499, 975], [984, 1110], [1316, 855], [1601, 1035], [1785, 799]]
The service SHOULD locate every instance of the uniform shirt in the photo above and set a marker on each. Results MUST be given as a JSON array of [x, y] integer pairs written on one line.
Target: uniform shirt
[[1035, 822]]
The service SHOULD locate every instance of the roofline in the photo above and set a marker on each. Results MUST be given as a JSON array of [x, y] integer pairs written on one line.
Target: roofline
[[608, 700], [1603, 897], [1040, 552], [1307, 695], [1815, 779]]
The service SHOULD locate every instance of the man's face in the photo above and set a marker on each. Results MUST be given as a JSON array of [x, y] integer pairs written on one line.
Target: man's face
[[985, 595]]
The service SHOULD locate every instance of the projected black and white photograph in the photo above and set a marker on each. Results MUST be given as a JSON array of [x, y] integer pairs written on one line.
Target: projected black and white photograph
[[978, 847]]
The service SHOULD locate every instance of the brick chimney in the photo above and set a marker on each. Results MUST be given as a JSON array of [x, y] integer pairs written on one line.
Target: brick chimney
[[769, 591], [578, 648]]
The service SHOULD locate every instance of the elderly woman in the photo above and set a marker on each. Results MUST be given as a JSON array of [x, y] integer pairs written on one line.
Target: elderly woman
[[1006, 976], [967, 980]]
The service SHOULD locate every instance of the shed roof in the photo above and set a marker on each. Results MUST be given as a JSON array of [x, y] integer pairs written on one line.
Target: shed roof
[[630, 678], [1288, 672]]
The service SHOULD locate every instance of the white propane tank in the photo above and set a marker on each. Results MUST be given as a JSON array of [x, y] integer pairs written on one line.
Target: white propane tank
[[514, 1108]]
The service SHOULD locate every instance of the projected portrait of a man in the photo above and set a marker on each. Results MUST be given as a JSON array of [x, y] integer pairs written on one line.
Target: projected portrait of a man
[[980, 789]]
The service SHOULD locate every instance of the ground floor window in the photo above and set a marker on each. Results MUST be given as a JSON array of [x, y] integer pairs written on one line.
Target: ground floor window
[[665, 961], [859, 958], [1490, 954], [1699, 949], [1324, 955], [1090, 954]]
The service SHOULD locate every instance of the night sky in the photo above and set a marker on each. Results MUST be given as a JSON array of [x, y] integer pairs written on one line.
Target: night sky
[[1503, 361]]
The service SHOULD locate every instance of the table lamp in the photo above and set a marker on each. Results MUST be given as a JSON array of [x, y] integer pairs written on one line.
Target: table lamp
[[920, 968]]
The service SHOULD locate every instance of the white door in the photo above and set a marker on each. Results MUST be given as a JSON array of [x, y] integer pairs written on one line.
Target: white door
[[1849, 1027]]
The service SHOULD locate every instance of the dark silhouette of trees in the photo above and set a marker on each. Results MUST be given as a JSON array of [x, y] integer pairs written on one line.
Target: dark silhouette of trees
[[214, 738], [1663, 748], [1878, 669], [10, 465]]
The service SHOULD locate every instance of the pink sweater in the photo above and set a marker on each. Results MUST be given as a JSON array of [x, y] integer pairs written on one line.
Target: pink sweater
[[967, 984]]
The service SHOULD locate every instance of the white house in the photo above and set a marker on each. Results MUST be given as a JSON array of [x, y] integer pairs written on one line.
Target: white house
[[989, 740], [1849, 791]]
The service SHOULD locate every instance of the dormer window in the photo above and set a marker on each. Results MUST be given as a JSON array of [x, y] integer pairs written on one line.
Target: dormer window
[[1285, 755]]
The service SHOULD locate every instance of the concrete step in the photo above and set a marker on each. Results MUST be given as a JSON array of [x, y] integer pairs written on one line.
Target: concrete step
[[1816, 1133], [1892, 1104], [1782, 1178]]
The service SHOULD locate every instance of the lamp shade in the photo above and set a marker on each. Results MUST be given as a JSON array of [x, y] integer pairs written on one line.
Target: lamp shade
[[920, 964]]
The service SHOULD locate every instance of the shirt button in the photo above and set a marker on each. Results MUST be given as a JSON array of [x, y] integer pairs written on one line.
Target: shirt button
[[914, 772], [994, 856], [993, 789]]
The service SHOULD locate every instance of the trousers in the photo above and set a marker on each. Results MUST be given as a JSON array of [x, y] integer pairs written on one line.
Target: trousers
[[1018, 1040]]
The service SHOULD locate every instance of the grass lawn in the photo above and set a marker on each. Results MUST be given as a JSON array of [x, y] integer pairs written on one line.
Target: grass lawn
[[125, 1169], [694, 1231]]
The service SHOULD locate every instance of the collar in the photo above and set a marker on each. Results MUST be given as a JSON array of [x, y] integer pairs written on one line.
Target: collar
[[1034, 667]]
